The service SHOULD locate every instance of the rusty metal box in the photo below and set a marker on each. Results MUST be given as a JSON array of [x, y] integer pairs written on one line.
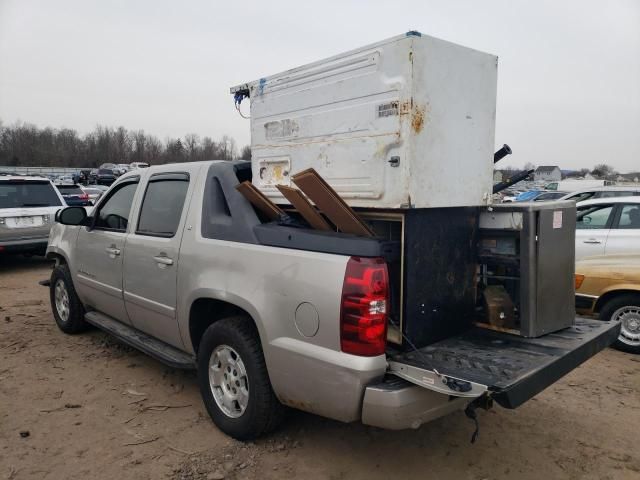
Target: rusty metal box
[[406, 122]]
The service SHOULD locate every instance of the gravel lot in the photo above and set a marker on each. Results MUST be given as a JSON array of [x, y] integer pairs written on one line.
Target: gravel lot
[[88, 407]]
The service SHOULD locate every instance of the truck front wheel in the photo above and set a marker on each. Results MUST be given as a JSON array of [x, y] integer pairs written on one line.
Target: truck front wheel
[[67, 309], [626, 310], [234, 381]]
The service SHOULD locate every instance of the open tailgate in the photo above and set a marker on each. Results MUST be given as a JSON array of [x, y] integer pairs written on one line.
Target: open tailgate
[[513, 369]]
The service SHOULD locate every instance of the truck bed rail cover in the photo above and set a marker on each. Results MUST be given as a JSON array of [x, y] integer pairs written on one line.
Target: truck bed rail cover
[[512, 368]]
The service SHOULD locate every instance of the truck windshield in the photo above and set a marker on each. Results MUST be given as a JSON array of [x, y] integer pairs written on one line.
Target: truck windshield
[[27, 193]]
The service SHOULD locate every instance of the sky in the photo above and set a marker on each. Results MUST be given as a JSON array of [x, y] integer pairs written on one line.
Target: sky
[[568, 75]]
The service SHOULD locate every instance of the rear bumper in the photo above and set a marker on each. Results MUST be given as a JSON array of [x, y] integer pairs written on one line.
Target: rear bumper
[[24, 245], [396, 404]]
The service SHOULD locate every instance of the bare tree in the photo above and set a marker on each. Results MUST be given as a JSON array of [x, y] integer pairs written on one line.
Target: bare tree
[[603, 170], [23, 144]]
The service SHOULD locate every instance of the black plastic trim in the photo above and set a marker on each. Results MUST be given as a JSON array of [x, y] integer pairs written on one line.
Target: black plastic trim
[[153, 347], [226, 214], [325, 242], [584, 303]]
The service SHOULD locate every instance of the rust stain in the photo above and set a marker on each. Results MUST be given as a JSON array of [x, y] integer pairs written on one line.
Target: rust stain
[[417, 119], [300, 405]]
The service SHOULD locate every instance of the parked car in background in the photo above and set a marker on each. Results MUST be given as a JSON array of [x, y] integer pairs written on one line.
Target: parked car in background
[[93, 176], [510, 195], [27, 209], [94, 192], [528, 196], [601, 192], [106, 176], [547, 196], [62, 179], [73, 195], [123, 168], [609, 287], [608, 226], [136, 165]]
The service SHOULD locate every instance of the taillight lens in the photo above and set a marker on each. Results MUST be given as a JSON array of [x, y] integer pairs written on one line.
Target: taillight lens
[[84, 196], [364, 309], [579, 280]]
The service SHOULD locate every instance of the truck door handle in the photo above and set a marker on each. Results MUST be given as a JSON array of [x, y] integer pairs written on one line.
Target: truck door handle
[[592, 240], [163, 260], [112, 250]]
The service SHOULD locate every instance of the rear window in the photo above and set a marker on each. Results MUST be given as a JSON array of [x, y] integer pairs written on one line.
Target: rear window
[[70, 189], [105, 171], [27, 193]]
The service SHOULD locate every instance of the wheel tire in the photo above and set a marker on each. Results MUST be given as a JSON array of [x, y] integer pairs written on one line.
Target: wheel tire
[[263, 412], [613, 309], [67, 308]]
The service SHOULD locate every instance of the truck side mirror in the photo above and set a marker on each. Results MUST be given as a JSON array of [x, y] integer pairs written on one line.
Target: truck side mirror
[[73, 216]]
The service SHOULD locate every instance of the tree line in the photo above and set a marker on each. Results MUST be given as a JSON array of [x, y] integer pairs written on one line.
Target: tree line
[[26, 145], [602, 171]]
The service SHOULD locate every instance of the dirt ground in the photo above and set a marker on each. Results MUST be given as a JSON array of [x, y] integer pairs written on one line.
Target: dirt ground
[[85, 406]]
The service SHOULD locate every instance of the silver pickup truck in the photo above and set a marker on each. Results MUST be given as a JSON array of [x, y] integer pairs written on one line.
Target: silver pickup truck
[[174, 261]]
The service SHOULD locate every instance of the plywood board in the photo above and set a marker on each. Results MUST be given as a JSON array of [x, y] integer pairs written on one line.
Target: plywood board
[[330, 203], [259, 201], [304, 207]]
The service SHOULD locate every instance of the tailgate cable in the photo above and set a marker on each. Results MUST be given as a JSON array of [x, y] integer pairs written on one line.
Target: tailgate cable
[[470, 411]]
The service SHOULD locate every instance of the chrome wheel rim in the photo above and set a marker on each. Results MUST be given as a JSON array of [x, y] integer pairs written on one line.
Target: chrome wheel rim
[[228, 381], [629, 318], [62, 300]]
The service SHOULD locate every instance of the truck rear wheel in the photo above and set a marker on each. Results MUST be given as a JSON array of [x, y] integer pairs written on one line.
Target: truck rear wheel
[[234, 381], [67, 309], [626, 310]]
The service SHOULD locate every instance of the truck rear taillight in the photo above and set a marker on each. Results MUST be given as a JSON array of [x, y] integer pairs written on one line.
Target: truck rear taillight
[[363, 313]]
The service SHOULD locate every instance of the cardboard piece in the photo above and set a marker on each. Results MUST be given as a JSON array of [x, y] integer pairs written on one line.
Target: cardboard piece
[[330, 203], [259, 201], [304, 207]]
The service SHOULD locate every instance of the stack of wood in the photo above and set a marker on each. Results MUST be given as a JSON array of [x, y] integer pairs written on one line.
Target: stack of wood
[[329, 207]]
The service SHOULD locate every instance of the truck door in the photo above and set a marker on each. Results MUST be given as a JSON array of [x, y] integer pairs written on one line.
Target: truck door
[[100, 250], [151, 263], [593, 223]]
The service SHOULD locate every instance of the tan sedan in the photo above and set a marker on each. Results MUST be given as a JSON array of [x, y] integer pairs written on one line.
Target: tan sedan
[[609, 287]]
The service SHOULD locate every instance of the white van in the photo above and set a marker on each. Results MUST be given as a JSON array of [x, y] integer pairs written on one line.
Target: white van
[[574, 185]]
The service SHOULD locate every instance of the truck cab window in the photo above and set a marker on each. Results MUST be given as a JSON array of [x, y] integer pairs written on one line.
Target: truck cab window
[[162, 206], [113, 214]]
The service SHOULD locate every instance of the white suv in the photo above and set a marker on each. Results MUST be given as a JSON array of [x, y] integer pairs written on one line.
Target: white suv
[[608, 226], [27, 209]]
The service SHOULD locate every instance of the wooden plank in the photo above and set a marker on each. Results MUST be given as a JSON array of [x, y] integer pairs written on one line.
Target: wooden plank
[[304, 207], [497, 329], [330, 203], [261, 202]]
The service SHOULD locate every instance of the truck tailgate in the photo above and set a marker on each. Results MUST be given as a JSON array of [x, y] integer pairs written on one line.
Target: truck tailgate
[[513, 369]]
